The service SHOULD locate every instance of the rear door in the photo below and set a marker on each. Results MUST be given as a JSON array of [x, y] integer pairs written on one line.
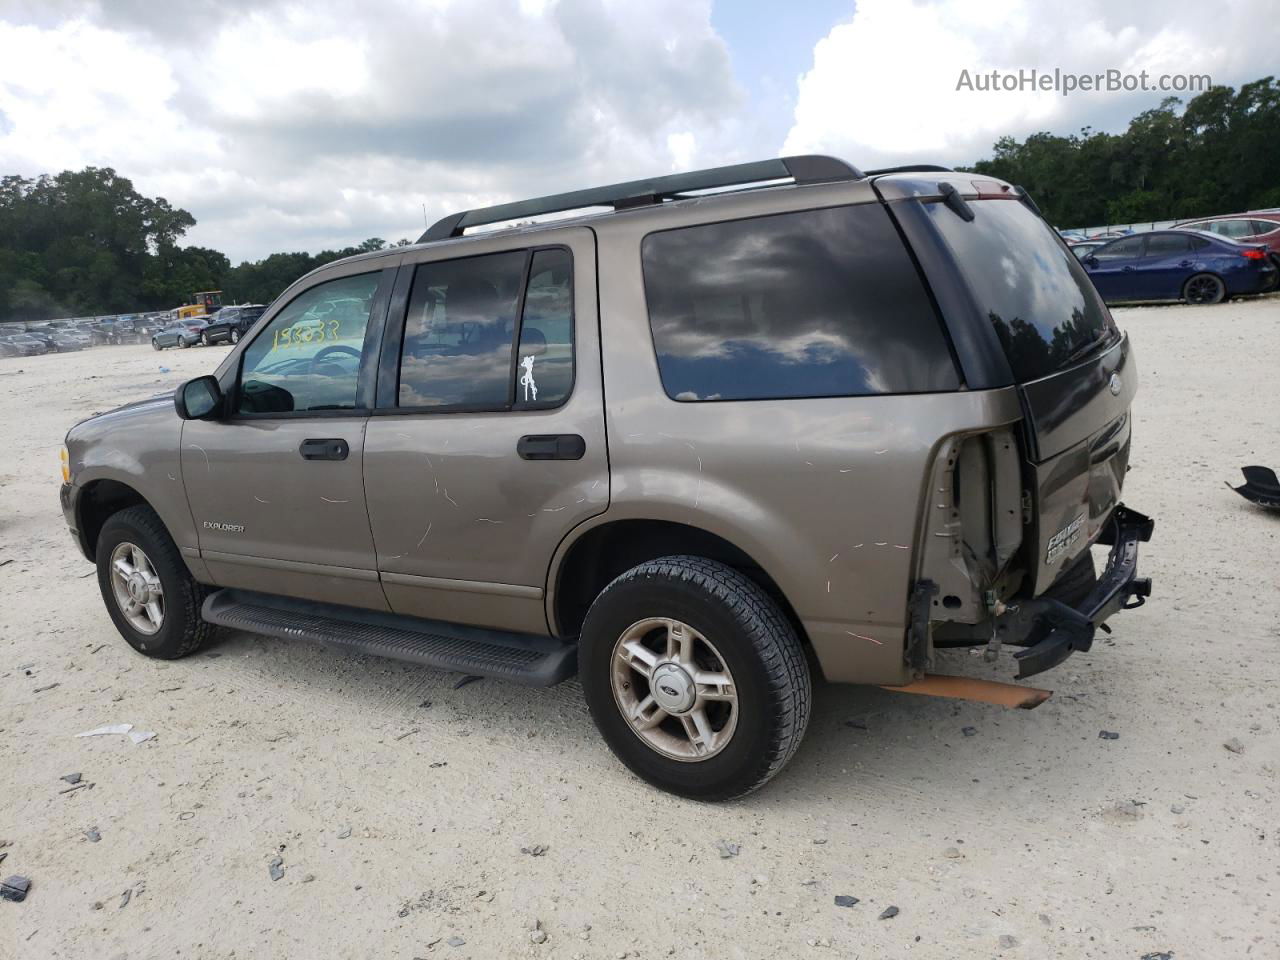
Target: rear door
[[1073, 368], [1166, 265], [488, 442]]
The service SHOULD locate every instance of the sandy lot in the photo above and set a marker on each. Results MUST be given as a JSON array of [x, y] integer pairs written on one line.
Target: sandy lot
[[400, 805]]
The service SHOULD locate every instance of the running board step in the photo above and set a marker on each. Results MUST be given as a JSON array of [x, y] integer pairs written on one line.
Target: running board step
[[524, 658]]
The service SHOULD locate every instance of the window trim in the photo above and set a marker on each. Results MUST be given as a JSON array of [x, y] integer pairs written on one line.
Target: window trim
[[388, 390], [365, 375], [916, 267]]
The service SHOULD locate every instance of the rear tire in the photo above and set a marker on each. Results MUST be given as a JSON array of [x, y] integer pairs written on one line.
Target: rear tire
[[155, 345], [749, 668], [180, 630], [1204, 289], [204, 339], [235, 336], [182, 344]]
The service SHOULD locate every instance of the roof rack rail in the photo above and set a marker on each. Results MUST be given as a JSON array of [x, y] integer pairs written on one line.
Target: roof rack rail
[[911, 168], [811, 168]]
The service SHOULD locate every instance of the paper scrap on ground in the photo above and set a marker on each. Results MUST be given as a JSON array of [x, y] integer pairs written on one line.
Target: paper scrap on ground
[[112, 728], [137, 736]]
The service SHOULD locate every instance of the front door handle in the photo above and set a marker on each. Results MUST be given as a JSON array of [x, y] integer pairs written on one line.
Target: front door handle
[[330, 449], [552, 446]]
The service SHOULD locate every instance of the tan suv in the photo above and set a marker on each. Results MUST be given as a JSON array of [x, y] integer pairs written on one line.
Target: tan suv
[[744, 421]]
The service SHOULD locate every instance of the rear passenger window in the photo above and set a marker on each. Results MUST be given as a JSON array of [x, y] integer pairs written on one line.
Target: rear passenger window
[[1167, 244], [1235, 229], [459, 348], [819, 303]]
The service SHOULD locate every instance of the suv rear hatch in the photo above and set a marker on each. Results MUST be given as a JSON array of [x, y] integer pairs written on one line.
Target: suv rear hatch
[[1073, 368]]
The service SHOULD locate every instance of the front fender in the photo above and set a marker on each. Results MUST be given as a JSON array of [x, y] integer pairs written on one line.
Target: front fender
[[138, 446]]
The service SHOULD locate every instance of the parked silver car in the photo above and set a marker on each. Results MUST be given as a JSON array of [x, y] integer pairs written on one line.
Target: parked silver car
[[182, 333], [682, 450]]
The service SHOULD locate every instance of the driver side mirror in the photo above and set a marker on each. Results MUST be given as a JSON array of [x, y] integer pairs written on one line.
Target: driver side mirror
[[1091, 261], [198, 399]]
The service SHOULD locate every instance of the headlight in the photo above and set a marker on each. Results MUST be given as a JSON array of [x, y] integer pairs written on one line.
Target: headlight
[[66, 464]]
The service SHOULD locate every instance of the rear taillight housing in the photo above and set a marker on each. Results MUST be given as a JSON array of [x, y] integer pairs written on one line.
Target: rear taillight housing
[[1252, 254]]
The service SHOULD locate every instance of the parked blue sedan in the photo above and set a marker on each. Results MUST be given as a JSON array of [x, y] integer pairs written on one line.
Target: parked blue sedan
[[1185, 265]]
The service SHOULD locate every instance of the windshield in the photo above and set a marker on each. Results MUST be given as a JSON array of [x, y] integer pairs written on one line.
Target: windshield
[[1034, 291]]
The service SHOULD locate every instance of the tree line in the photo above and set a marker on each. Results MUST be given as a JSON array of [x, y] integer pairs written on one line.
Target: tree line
[[85, 242], [1216, 156]]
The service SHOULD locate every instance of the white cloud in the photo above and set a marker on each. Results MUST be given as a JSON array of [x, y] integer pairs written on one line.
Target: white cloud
[[882, 89], [284, 125]]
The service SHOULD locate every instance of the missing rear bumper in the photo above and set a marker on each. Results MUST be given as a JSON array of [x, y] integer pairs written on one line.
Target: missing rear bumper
[[1054, 627], [1065, 629]]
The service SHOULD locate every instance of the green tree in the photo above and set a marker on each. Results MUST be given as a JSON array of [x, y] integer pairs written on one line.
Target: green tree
[[1215, 156]]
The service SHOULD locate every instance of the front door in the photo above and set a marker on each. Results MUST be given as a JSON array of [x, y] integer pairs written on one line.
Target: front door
[[276, 487], [1114, 269], [488, 443]]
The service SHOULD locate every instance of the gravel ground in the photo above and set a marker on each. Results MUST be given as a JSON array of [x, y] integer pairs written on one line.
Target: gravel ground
[[408, 818]]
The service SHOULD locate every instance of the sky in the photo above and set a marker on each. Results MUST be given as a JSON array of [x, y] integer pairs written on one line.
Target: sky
[[305, 126]]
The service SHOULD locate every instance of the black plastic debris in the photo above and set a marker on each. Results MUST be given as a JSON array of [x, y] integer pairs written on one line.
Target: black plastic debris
[[1108, 735], [465, 680], [888, 913], [70, 777], [1261, 486], [14, 888], [1158, 955], [843, 900]]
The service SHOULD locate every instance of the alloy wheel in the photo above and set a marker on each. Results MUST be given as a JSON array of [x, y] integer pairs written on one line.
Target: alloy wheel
[[674, 689], [137, 588], [1204, 289]]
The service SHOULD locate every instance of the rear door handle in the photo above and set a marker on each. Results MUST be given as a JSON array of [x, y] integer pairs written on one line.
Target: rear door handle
[[552, 446], [329, 449]]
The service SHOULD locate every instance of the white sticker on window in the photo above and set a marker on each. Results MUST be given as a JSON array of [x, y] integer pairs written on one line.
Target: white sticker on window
[[526, 380]]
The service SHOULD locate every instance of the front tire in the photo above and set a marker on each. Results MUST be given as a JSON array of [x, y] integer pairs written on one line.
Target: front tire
[[1204, 288], [204, 339], [235, 336], [150, 595], [694, 677], [182, 344]]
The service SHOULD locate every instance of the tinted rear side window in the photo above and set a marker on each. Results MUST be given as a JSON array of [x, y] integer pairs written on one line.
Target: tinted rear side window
[[457, 337], [1167, 244], [1034, 291], [813, 304]]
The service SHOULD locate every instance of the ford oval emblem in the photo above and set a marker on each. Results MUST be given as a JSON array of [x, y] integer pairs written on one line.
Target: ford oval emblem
[[1115, 384]]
